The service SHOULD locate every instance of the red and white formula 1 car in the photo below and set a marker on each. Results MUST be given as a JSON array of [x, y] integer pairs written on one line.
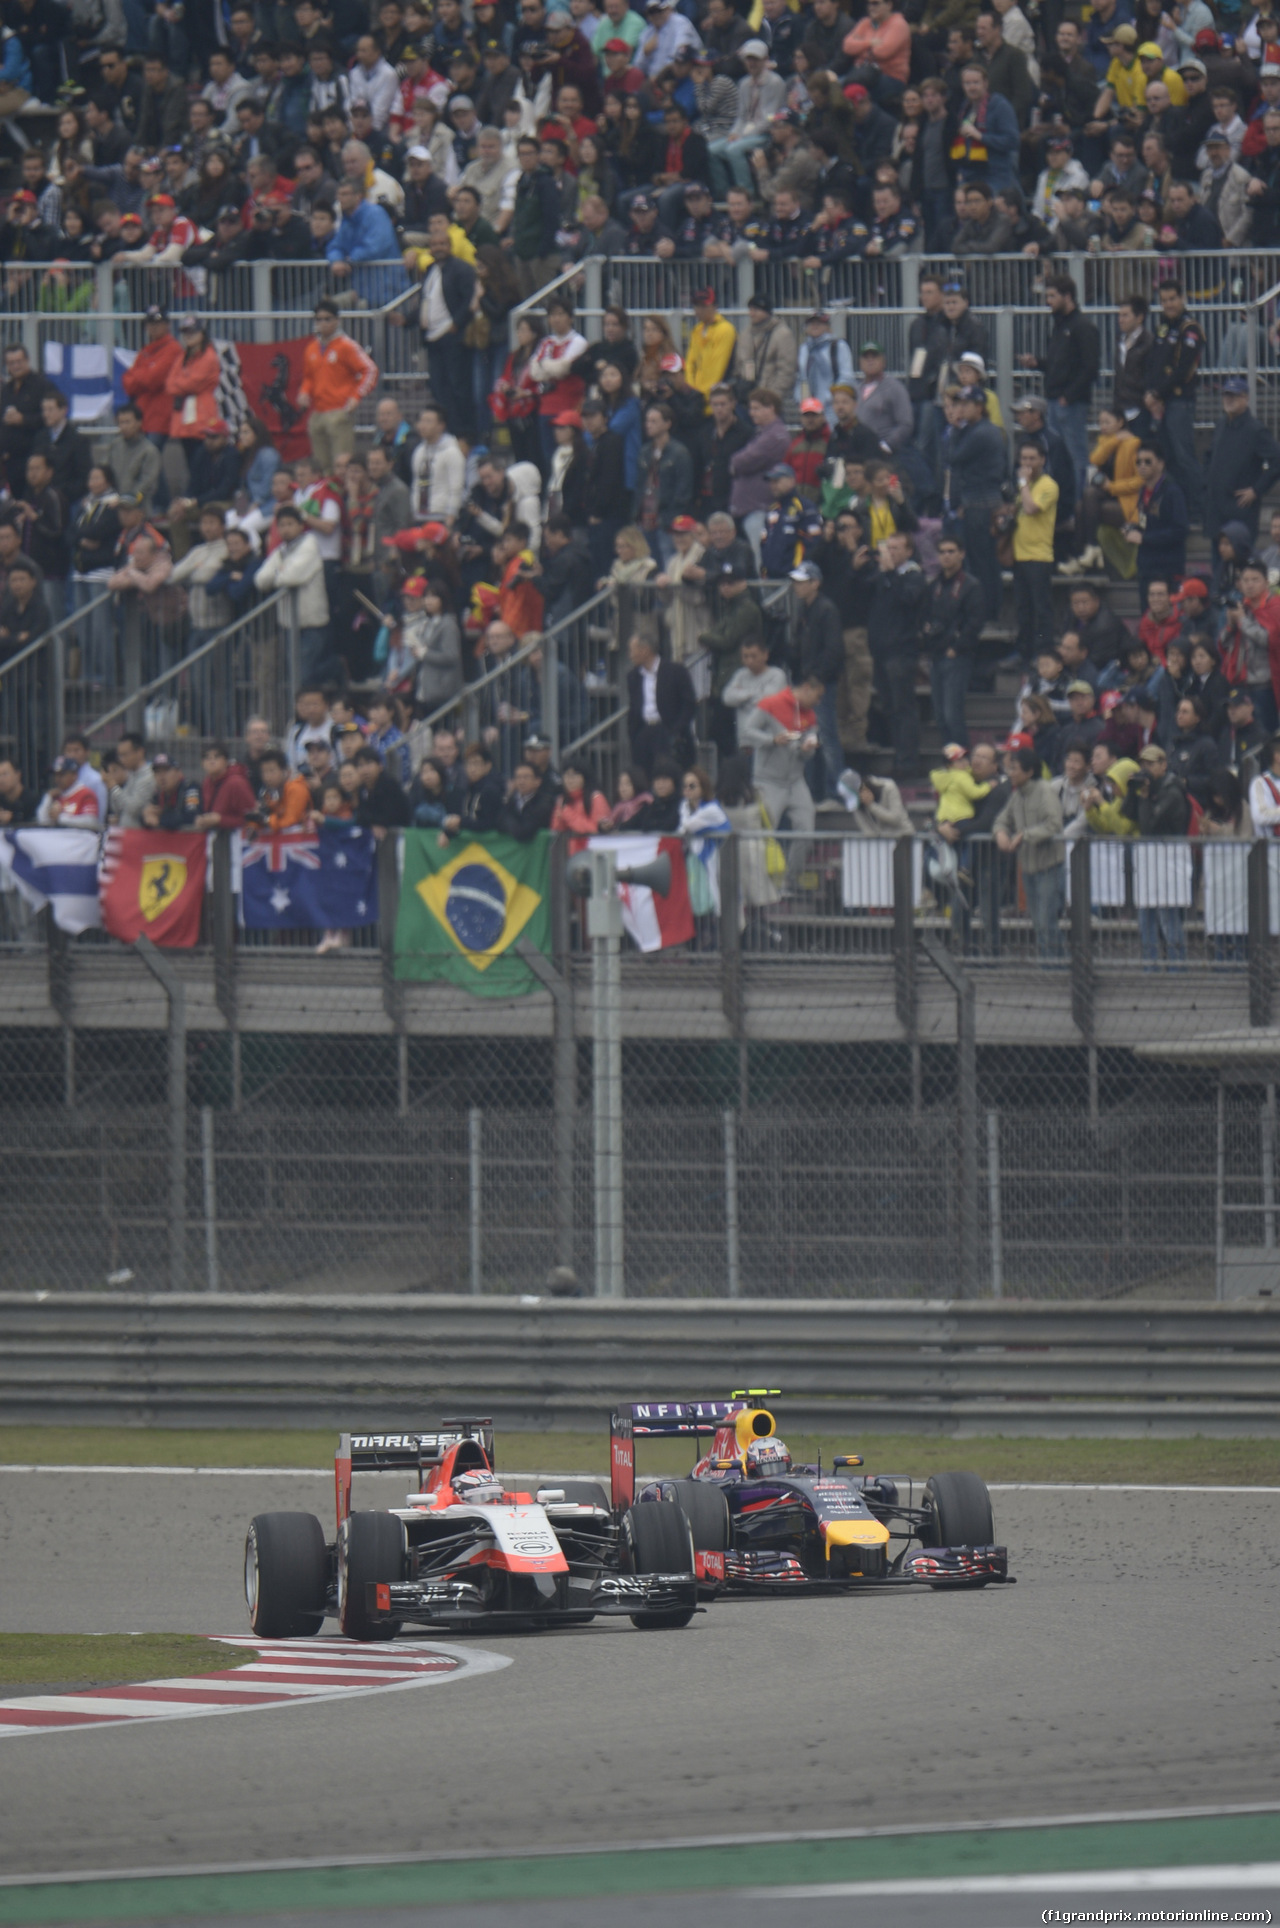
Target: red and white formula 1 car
[[464, 1551]]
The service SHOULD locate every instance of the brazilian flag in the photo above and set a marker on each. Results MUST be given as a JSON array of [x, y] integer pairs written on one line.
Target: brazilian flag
[[463, 908]]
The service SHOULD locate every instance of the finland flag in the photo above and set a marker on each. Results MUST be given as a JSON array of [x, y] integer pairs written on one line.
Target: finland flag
[[58, 867]]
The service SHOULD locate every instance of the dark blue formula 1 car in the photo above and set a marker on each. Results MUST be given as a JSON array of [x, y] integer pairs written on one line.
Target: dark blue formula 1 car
[[762, 1525]]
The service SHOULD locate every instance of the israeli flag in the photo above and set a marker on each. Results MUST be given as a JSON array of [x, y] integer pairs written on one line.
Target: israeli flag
[[57, 867]]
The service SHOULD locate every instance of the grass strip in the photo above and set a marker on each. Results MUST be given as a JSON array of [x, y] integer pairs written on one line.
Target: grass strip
[[1088, 1847], [78, 1660], [1196, 1461]]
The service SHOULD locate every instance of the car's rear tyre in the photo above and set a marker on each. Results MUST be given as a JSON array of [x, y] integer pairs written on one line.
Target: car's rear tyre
[[656, 1538], [286, 1575], [707, 1512], [961, 1516], [370, 1551]]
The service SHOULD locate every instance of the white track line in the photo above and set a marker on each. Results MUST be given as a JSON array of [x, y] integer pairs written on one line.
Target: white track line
[[1244, 1874], [539, 1851]]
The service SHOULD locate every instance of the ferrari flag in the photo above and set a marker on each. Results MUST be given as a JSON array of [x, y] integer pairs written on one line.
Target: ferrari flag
[[152, 883], [464, 907]]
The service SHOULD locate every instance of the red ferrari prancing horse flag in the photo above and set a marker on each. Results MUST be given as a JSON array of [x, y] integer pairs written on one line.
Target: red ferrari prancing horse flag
[[152, 882]]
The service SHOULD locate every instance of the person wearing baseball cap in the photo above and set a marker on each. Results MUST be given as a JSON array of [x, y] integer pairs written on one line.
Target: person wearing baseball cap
[[1061, 170], [667, 32], [792, 526], [824, 360], [711, 344], [761, 95]]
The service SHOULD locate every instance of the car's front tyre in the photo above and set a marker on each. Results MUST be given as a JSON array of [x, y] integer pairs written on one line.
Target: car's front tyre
[[370, 1552], [657, 1539], [285, 1575]]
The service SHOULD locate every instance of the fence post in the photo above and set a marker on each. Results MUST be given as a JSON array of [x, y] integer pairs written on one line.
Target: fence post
[[388, 861], [294, 645], [1259, 939], [551, 693], [746, 281], [222, 914], [58, 677], [993, 1204], [104, 301], [966, 1110], [474, 1173], [556, 974], [162, 970], [733, 1262], [58, 965], [904, 936], [208, 1170], [1081, 938], [1005, 362], [730, 859], [593, 295], [909, 268], [264, 324]]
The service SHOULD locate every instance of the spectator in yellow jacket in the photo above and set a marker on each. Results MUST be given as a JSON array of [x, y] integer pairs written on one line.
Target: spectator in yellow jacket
[[957, 787], [1110, 777], [711, 344]]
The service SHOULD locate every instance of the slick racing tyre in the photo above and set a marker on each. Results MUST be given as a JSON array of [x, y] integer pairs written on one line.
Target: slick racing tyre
[[961, 1508], [656, 1539], [707, 1512], [285, 1575], [370, 1550]]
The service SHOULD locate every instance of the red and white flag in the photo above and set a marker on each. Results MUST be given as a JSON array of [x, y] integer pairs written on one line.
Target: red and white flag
[[652, 923]]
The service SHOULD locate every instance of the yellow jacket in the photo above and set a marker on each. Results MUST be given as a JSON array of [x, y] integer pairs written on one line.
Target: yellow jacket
[[711, 348], [1105, 819], [958, 791], [458, 245], [1126, 483]]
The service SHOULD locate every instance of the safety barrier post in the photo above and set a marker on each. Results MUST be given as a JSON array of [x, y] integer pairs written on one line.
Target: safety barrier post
[[1259, 938], [165, 974], [966, 1111]]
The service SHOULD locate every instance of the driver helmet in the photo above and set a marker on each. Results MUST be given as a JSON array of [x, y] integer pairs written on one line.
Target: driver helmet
[[765, 1456], [479, 1488]]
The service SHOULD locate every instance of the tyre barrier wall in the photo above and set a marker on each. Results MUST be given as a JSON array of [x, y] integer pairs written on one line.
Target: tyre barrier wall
[[271, 1360]]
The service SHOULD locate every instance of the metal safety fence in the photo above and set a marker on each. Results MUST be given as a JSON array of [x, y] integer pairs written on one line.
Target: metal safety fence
[[848, 1089], [532, 1363]]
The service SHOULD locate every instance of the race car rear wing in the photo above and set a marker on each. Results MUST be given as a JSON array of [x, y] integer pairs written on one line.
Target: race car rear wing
[[388, 1452], [660, 1419]]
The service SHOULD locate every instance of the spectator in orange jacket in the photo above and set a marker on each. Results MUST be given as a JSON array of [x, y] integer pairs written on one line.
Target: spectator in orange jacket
[[192, 388], [880, 48], [285, 799], [146, 382], [336, 374], [519, 600]]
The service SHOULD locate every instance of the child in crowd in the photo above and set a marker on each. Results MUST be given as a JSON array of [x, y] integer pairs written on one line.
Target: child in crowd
[[958, 789]]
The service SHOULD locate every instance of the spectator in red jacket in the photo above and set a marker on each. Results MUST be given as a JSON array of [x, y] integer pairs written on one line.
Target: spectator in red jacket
[[808, 449], [1162, 623], [146, 381], [225, 796]]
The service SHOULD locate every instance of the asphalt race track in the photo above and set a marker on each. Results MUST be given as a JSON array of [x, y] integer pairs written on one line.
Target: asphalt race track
[[1134, 1667]]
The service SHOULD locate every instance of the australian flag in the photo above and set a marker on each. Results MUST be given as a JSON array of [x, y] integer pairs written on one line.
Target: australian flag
[[313, 880]]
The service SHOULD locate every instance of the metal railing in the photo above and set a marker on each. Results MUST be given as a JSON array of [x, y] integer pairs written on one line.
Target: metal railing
[[254, 1359], [250, 667], [46, 687]]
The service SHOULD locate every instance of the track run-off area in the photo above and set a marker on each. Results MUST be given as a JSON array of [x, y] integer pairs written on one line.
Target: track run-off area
[[805, 1760]]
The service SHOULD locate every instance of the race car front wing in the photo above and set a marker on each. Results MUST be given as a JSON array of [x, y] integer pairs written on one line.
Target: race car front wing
[[443, 1601]]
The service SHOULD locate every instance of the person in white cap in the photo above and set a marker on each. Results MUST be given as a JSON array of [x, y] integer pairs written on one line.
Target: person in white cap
[[971, 371], [761, 95], [669, 31]]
